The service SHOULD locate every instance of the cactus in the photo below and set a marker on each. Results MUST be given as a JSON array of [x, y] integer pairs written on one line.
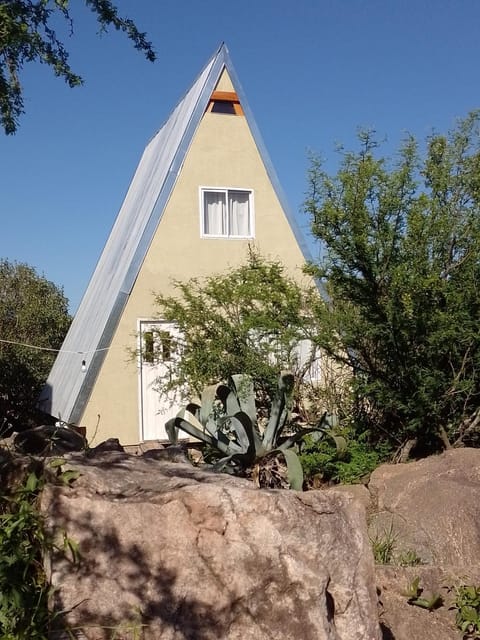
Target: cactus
[[226, 420]]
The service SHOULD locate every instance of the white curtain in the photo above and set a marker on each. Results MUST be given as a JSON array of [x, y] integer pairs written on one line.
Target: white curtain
[[238, 213], [214, 204]]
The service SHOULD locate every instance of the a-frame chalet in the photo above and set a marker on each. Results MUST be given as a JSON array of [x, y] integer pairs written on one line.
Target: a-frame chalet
[[203, 190]]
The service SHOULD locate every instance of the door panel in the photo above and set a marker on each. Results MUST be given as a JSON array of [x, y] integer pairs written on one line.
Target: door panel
[[158, 350]]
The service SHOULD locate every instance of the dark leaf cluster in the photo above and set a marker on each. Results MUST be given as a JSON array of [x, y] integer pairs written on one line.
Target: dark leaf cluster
[[33, 311], [27, 35], [402, 269]]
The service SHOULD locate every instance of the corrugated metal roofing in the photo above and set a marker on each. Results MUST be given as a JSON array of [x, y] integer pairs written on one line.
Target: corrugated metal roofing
[[67, 389]]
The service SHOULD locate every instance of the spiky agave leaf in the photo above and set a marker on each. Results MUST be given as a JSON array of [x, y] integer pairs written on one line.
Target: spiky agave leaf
[[321, 430], [238, 399], [208, 398], [172, 430], [294, 470], [187, 422], [241, 427], [340, 443], [242, 385], [279, 411], [328, 421]]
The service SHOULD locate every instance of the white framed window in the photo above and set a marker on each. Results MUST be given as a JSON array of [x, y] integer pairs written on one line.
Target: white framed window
[[226, 213]]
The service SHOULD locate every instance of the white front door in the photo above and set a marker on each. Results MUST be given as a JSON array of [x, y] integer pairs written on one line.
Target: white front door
[[157, 351]]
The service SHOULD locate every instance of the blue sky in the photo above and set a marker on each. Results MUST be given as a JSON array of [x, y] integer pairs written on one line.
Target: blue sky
[[313, 72]]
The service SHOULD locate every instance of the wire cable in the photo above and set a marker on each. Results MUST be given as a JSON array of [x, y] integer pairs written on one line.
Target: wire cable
[[33, 346]]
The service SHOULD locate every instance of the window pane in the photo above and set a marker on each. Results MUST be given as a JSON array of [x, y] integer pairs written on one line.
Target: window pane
[[148, 347], [214, 218], [223, 106], [239, 213], [167, 345]]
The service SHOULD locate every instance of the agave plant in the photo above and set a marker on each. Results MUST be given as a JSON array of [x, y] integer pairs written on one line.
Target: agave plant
[[227, 420]]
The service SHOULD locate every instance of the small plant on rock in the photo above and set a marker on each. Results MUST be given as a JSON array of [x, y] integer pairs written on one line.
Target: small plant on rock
[[467, 607], [226, 420], [415, 597], [383, 546], [409, 558]]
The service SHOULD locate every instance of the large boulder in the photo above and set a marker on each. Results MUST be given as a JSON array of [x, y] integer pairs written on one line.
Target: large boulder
[[172, 552], [426, 512], [431, 507]]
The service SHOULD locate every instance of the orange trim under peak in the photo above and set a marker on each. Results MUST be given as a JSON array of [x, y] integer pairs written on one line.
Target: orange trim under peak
[[226, 96]]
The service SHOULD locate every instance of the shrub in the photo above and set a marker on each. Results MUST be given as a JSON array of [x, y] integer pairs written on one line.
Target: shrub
[[351, 465]]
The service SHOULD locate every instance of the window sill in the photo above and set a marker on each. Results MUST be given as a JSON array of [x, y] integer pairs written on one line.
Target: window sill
[[213, 237]]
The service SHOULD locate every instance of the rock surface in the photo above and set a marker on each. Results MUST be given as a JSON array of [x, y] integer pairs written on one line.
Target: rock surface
[[403, 621], [49, 439], [172, 552], [169, 551], [430, 508]]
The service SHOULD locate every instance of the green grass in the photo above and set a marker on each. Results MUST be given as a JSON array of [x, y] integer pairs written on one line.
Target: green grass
[[383, 546]]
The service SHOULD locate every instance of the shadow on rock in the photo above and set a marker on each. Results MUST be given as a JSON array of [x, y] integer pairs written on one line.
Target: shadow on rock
[[173, 552]]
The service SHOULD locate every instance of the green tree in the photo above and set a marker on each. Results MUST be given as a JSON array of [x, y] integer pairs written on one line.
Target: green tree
[[27, 34], [248, 320], [401, 267], [33, 311]]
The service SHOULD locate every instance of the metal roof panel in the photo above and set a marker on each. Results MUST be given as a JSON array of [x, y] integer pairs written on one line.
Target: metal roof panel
[[68, 388]]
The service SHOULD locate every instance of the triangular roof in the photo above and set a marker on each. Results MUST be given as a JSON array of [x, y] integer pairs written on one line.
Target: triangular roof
[[67, 389]]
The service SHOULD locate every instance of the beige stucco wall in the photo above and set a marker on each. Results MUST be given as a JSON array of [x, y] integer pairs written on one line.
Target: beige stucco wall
[[222, 154], [224, 83]]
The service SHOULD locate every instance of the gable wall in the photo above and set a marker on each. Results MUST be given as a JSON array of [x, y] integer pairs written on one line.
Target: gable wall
[[223, 154]]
